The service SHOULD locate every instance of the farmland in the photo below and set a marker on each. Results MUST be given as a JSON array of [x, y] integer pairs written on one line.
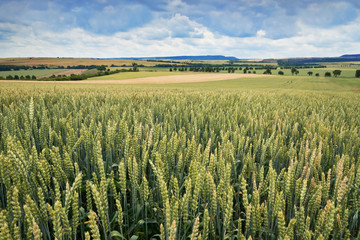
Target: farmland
[[266, 158], [345, 72], [56, 62], [134, 75], [179, 120], [37, 72]]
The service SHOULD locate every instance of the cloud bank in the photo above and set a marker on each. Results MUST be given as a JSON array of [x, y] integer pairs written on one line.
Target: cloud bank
[[245, 29]]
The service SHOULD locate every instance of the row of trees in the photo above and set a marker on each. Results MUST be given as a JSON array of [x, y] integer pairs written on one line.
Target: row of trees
[[336, 73], [101, 72], [302, 66], [13, 67], [21, 67], [210, 68], [294, 71], [16, 77]]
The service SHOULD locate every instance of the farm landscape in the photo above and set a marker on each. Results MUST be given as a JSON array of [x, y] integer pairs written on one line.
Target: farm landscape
[[175, 148], [257, 155]]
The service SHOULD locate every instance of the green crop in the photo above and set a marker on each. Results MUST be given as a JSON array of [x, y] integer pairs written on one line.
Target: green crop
[[140, 163]]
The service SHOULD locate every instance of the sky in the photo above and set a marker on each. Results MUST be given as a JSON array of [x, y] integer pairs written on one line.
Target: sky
[[254, 29]]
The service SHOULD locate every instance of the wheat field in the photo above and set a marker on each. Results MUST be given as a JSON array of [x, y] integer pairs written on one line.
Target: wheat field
[[178, 164]]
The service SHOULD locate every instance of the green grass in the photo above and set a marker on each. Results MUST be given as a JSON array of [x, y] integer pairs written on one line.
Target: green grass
[[345, 72], [349, 82], [161, 69], [276, 83], [36, 72]]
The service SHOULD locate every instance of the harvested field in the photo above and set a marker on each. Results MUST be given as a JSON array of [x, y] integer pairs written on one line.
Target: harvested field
[[67, 72], [164, 79], [74, 61]]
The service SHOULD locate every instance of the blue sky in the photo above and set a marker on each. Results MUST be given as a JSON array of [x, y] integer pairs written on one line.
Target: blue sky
[[136, 28]]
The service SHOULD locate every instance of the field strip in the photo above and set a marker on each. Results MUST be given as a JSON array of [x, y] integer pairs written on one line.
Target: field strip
[[66, 72], [161, 79]]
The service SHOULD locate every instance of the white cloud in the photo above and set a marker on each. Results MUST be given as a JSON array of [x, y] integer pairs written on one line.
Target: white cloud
[[178, 35], [261, 33]]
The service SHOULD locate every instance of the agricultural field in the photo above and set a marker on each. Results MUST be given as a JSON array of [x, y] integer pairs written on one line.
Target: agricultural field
[[55, 62], [260, 158], [343, 64], [134, 75], [345, 72], [35, 72]]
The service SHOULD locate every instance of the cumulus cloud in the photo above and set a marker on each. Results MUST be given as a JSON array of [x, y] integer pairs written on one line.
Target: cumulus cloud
[[246, 29]]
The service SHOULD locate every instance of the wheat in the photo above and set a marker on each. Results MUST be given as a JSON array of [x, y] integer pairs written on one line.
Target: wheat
[[202, 164]]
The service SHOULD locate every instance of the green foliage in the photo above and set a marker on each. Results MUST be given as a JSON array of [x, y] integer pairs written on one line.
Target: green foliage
[[357, 73], [101, 68], [327, 74], [268, 71], [336, 73], [141, 163]]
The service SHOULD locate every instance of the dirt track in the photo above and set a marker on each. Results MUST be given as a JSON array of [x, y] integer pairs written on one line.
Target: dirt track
[[161, 80]]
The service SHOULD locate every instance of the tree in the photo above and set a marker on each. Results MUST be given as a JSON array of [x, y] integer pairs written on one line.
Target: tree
[[357, 73], [281, 73], [293, 70], [135, 67], [310, 73], [267, 71], [336, 73], [296, 72], [317, 74], [170, 69], [33, 77], [101, 68], [327, 74]]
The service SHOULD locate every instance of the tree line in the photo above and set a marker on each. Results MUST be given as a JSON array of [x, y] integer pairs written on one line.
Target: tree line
[[17, 77]]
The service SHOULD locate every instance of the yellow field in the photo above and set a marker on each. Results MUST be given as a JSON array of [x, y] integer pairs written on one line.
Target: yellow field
[[73, 61]]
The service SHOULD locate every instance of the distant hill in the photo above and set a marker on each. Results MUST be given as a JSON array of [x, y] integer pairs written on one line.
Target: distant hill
[[343, 58], [350, 55], [191, 58]]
